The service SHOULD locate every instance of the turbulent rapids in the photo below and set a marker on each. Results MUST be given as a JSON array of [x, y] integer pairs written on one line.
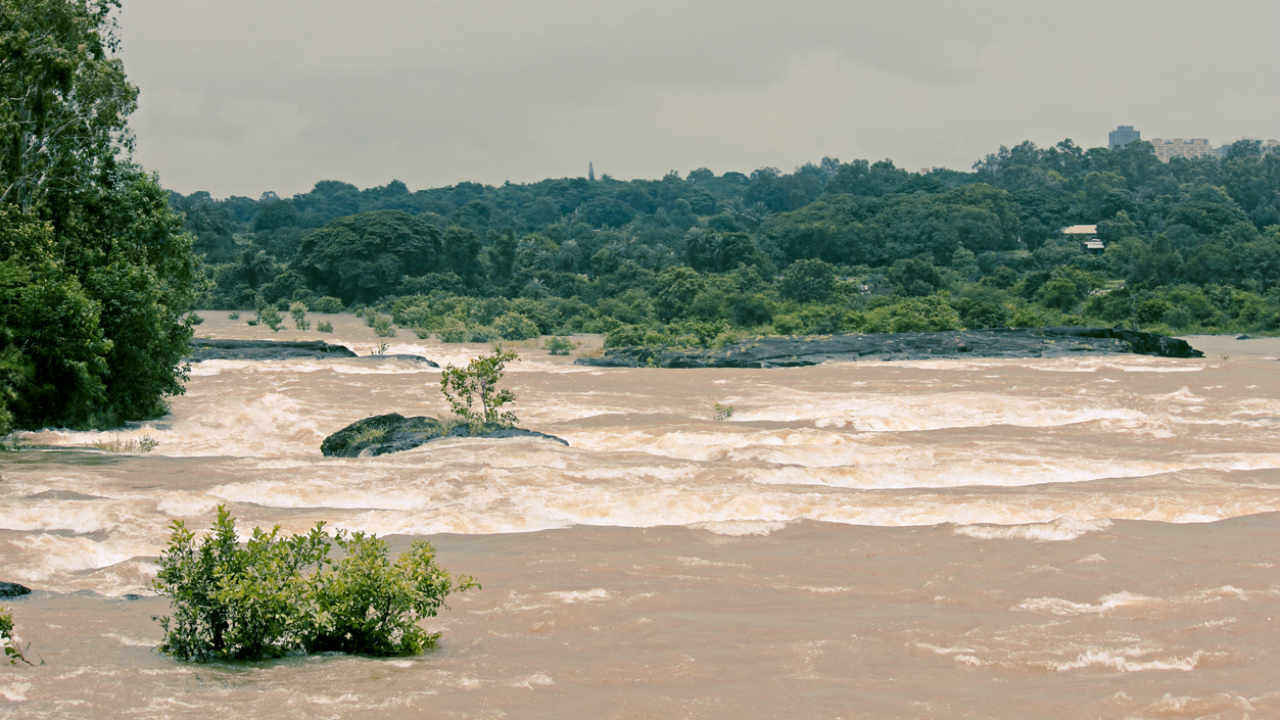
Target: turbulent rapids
[[1069, 537]]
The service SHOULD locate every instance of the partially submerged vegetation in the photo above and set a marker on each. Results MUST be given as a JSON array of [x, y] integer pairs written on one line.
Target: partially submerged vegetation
[[279, 595], [559, 345], [127, 446], [12, 651]]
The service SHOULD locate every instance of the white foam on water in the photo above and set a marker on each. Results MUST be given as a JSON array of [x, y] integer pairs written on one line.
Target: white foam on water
[[1162, 369], [186, 504], [1061, 529], [1181, 395], [269, 424], [1200, 707], [1215, 623], [379, 493], [48, 556], [1105, 604], [81, 516], [877, 412], [1236, 461], [573, 597], [903, 467], [15, 692], [130, 641], [740, 528], [690, 561], [1124, 661], [825, 589], [529, 682], [344, 699]]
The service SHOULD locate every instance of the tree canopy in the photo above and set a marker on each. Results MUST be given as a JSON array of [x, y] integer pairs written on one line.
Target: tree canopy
[[833, 246], [96, 273]]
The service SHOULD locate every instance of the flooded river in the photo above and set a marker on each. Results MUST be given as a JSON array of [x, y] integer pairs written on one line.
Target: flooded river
[[1072, 538]]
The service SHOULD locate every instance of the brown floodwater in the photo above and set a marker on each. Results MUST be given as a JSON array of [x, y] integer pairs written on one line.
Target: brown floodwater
[[1096, 536]]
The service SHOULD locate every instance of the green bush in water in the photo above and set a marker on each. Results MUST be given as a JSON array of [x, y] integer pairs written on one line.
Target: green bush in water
[[325, 327], [7, 641], [281, 595], [299, 312], [560, 346], [269, 316], [382, 326]]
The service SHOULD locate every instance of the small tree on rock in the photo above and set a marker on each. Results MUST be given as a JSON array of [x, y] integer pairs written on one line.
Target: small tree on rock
[[473, 391], [299, 313], [268, 316]]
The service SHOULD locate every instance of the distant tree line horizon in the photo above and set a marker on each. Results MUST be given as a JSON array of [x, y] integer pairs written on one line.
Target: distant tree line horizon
[[1190, 245]]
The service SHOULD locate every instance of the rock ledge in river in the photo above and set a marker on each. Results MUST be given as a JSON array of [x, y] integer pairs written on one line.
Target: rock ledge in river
[[1000, 343], [220, 349], [8, 589], [382, 434]]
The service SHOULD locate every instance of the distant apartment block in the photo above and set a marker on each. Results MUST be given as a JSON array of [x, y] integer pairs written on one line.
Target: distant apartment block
[[1122, 135], [1191, 148]]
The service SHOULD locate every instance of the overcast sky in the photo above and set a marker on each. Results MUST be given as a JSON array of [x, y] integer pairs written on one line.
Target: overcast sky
[[242, 96]]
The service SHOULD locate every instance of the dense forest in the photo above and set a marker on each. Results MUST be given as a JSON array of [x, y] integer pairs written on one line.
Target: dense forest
[[1190, 245], [96, 274]]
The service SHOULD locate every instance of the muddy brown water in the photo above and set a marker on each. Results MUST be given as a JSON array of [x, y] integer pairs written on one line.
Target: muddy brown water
[[1077, 537]]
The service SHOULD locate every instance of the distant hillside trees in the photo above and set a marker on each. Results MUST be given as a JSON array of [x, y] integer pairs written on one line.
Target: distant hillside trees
[[831, 247]]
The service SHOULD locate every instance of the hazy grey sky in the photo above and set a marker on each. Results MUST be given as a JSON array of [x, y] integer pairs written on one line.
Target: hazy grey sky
[[241, 96]]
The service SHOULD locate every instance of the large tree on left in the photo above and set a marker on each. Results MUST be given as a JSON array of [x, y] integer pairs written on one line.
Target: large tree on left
[[96, 277]]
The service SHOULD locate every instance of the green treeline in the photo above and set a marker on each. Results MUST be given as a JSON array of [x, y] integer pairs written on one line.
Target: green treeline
[[96, 275], [1191, 245]]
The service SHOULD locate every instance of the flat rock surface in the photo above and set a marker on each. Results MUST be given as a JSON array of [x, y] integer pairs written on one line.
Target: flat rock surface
[[403, 357], [220, 349], [1000, 343], [382, 434]]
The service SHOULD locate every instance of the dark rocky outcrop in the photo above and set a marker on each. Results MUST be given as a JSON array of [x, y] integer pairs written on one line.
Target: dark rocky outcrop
[[999, 343], [382, 434], [219, 349], [8, 589]]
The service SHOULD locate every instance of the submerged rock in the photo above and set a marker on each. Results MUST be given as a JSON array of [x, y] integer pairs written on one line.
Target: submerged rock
[[999, 343], [382, 434], [402, 357], [8, 589]]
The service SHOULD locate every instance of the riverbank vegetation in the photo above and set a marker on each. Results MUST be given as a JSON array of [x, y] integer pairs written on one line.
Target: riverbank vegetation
[[96, 275], [1184, 246], [280, 595]]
